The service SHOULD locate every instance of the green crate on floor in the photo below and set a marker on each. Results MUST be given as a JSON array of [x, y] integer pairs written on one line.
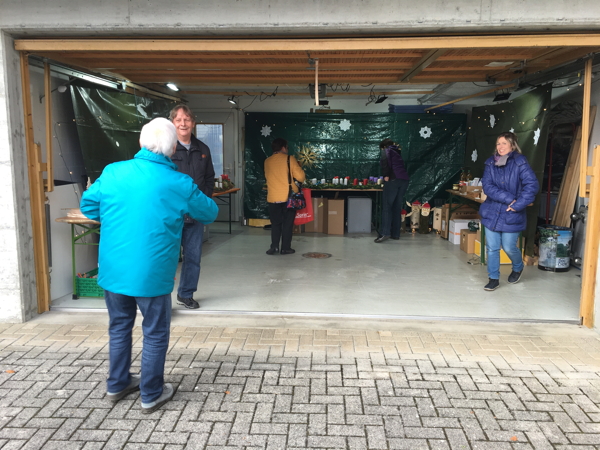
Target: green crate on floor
[[88, 287]]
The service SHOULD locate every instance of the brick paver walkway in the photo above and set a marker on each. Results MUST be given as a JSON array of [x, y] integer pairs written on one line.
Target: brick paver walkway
[[259, 388]]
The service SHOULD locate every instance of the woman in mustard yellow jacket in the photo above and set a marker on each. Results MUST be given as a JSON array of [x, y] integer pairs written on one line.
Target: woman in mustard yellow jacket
[[278, 188]]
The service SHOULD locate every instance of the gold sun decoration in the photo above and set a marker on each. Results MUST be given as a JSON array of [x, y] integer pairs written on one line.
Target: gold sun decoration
[[307, 157]]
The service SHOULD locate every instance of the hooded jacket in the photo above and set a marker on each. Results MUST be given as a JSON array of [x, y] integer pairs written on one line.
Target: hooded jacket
[[140, 204], [503, 184]]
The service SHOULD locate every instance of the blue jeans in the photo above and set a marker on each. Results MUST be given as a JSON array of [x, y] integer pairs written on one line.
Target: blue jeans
[[156, 330], [191, 241], [508, 241], [393, 201]]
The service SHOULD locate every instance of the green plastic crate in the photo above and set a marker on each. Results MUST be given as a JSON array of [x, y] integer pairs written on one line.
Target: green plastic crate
[[88, 287]]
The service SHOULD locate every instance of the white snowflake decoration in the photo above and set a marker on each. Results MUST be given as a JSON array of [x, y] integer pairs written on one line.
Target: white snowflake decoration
[[512, 130], [266, 130], [492, 120], [536, 136], [345, 124], [425, 132], [474, 155]]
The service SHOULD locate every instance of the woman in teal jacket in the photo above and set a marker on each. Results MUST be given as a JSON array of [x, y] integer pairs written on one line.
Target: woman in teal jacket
[[140, 205]]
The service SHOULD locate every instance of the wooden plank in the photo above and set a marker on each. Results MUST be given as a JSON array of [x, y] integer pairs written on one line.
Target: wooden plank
[[49, 139], [427, 60], [570, 183], [571, 171], [585, 126], [37, 196], [316, 44], [592, 238]]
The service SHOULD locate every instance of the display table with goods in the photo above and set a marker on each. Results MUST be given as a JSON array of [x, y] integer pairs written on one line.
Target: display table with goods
[[223, 189], [84, 284], [371, 187]]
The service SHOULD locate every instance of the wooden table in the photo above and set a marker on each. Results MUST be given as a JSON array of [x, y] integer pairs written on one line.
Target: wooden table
[[471, 199], [91, 227], [225, 198]]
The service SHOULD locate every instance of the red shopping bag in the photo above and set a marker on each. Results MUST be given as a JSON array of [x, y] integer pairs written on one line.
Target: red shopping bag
[[305, 215]]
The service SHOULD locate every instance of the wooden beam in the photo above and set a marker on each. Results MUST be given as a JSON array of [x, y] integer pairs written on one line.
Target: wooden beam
[[585, 126], [312, 45], [49, 139], [302, 94], [497, 88], [37, 196], [589, 267], [426, 61]]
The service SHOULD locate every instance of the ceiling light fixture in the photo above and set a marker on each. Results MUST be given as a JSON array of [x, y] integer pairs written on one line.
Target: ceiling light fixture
[[502, 96], [172, 86], [232, 100]]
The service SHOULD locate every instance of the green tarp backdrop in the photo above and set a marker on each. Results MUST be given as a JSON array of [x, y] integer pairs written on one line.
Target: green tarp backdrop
[[109, 124], [526, 117], [433, 147]]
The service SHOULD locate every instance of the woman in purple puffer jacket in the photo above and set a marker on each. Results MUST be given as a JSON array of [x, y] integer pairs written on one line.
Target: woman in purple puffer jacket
[[510, 185]]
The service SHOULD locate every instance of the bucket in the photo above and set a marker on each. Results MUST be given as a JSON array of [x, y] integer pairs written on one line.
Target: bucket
[[555, 248]]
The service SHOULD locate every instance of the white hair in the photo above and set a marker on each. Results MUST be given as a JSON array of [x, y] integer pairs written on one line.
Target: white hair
[[159, 136]]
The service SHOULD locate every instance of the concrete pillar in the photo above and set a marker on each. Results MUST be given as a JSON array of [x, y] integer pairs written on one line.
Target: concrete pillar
[[18, 302]]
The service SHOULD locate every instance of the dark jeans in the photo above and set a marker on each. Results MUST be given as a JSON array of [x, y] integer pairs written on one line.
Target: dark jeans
[[393, 201], [156, 330], [191, 241], [282, 225]]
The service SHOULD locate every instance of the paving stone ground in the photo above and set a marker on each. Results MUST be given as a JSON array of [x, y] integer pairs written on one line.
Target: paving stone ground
[[267, 388]]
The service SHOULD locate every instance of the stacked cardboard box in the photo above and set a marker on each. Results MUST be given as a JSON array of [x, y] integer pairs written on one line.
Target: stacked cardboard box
[[467, 241], [335, 216], [455, 228], [463, 212], [319, 223]]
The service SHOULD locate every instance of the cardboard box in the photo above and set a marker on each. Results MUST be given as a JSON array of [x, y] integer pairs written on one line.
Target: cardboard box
[[437, 218], [504, 259], [335, 216], [467, 241], [319, 216], [444, 221], [455, 228], [471, 190], [298, 229]]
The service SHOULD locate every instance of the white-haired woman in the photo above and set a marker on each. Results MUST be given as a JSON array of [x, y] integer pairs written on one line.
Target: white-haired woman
[[140, 204]]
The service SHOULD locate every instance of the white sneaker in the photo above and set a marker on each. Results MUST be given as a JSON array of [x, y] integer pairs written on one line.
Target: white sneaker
[[167, 394]]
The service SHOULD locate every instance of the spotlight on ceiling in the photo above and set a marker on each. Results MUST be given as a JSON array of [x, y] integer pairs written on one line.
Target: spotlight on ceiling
[[502, 96], [232, 100], [172, 86], [381, 99]]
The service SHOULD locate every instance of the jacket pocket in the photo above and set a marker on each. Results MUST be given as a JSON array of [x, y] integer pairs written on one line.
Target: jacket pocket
[[515, 218]]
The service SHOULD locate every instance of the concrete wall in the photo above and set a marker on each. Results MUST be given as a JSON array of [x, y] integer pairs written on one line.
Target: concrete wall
[[325, 17], [18, 301]]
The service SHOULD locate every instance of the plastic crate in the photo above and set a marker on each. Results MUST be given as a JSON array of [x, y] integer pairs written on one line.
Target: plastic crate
[[88, 287]]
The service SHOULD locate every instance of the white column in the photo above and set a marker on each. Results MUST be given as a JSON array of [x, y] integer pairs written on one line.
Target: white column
[[18, 301]]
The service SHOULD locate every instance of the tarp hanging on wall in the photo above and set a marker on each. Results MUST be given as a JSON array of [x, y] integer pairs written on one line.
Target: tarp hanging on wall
[[526, 117], [109, 123], [348, 145]]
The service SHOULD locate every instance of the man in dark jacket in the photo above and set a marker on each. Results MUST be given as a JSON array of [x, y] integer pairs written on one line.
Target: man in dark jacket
[[192, 158], [396, 180]]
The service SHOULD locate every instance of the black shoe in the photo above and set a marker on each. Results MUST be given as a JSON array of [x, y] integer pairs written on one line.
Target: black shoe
[[514, 277], [272, 251], [380, 239], [492, 285], [189, 303], [288, 252]]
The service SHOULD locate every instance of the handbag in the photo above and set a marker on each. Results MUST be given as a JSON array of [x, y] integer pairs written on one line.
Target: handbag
[[296, 200]]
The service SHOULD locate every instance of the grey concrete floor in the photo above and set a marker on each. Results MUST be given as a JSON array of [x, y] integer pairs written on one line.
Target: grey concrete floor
[[419, 276]]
